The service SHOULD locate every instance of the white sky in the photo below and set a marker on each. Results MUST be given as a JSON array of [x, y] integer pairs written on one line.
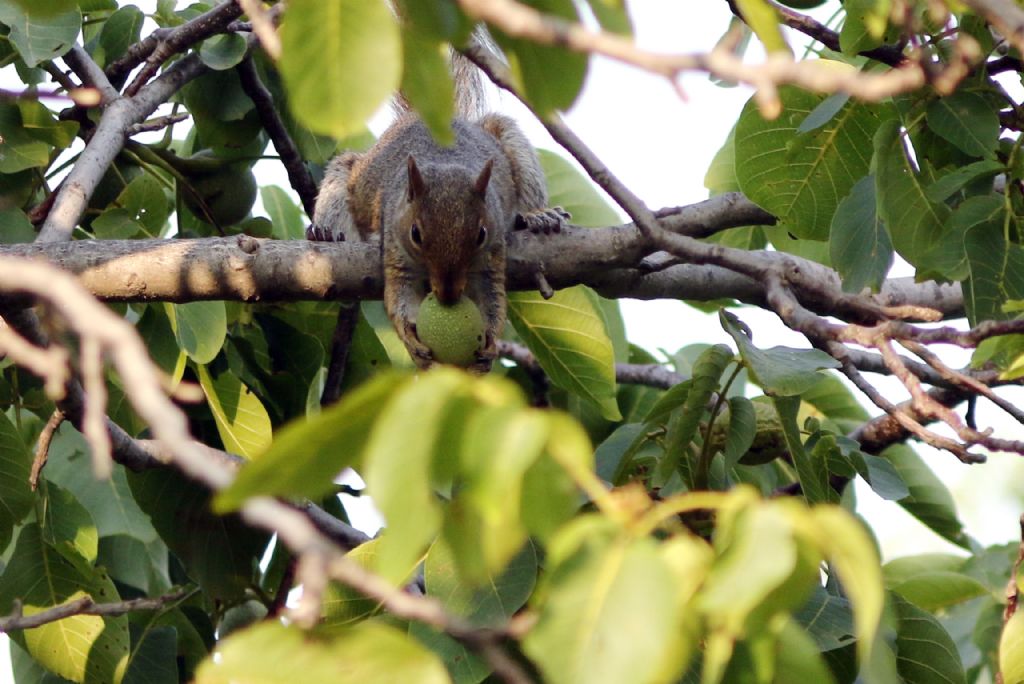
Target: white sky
[[660, 146]]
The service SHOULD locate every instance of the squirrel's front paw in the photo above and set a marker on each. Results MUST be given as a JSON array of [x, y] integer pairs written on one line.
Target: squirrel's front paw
[[485, 357], [420, 353], [318, 234], [545, 221]]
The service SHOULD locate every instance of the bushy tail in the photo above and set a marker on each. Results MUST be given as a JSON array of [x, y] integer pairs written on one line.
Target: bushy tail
[[470, 88]]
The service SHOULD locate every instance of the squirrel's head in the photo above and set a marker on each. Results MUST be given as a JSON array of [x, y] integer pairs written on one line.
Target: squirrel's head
[[446, 226]]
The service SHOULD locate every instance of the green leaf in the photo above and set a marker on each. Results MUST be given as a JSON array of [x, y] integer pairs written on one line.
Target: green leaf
[[40, 123], [801, 178], [798, 658], [925, 653], [824, 112], [997, 272], [742, 430], [811, 466], [200, 328], [1011, 649], [15, 227], [27, 670], [15, 463], [441, 19], [483, 523], [574, 192], [859, 246], [20, 149], [344, 606], [567, 335], [883, 477], [915, 223], [947, 260], [958, 178], [612, 15], [827, 619], [966, 119], [607, 588], [489, 604], [41, 31], [307, 454], [223, 51], [67, 527], [550, 496], [924, 581], [929, 501], [398, 461], [109, 502], [341, 60], [146, 202], [368, 653], [82, 648], [779, 371], [242, 421], [284, 212], [120, 30], [427, 83], [864, 26], [682, 427], [221, 553], [136, 564], [761, 18], [746, 587], [852, 554], [549, 77], [154, 657]]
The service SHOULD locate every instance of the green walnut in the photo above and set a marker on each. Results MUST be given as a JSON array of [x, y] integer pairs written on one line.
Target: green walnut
[[453, 333], [769, 440], [228, 194]]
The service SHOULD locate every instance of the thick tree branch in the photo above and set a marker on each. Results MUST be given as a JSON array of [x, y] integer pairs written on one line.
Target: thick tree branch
[[107, 140], [253, 269]]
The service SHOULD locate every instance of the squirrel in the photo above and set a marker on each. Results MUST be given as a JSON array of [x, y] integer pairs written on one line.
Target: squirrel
[[442, 213]]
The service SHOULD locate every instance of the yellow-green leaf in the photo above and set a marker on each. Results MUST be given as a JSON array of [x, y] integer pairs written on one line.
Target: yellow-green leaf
[[242, 421], [568, 336]]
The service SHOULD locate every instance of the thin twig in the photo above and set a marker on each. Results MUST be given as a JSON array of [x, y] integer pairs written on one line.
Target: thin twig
[[341, 344], [86, 606], [43, 447], [298, 174], [182, 37]]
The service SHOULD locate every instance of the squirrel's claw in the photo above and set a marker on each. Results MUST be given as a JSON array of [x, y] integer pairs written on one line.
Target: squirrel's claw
[[485, 356], [318, 234], [545, 221], [420, 353]]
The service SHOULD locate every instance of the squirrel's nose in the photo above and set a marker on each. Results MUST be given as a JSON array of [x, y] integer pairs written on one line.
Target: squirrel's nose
[[448, 290]]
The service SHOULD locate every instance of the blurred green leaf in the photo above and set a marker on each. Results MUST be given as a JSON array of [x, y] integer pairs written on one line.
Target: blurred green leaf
[[368, 652], [356, 49]]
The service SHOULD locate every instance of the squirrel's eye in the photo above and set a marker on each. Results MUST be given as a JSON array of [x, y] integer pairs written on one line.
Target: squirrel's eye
[[415, 234], [481, 236]]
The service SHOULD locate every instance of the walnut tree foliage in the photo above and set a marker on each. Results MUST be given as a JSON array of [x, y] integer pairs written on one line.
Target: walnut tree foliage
[[588, 512]]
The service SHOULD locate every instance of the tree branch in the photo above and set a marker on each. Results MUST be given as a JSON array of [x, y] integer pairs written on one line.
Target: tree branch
[[243, 268], [298, 174], [86, 606]]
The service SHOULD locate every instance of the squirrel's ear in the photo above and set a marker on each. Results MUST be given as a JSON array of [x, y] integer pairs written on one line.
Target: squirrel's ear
[[416, 185], [480, 187]]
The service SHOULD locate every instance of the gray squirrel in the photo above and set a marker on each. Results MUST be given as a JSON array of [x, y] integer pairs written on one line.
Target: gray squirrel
[[443, 213]]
